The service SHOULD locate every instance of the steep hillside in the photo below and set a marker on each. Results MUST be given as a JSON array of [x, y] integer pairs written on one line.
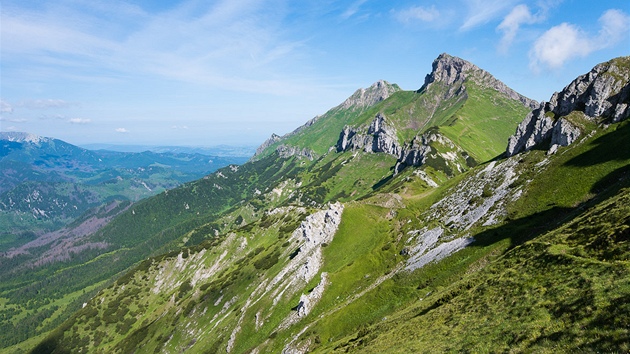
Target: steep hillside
[[350, 250]]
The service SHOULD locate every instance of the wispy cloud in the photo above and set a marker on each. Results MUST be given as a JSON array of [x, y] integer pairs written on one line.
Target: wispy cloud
[[79, 120], [179, 127], [232, 44], [512, 22], [615, 27], [353, 9], [121, 130], [567, 41], [53, 116], [13, 120], [416, 13], [481, 12]]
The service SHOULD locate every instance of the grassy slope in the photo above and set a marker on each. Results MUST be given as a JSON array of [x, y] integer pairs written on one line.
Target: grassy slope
[[559, 290], [564, 291], [481, 126], [164, 223], [524, 284]]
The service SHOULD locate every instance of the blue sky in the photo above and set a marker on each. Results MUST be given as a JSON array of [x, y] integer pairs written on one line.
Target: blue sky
[[203, 73]]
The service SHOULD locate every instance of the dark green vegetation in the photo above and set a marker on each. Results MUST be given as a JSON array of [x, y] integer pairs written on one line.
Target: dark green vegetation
[[527, 253]]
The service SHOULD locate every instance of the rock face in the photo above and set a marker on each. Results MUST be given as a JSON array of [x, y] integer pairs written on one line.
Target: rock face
[[272, 139], [453, 72], [381, 137], [603, 93], [287, 151]]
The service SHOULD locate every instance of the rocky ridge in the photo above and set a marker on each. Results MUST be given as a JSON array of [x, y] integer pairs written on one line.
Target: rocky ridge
[[20, 137], [603, 95], [272, 140], [454, 72], [450, 72]]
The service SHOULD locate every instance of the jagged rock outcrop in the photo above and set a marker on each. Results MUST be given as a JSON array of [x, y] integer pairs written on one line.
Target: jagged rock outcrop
[[563, 134], [453, 72], [287, 151], [414, 154], [380, 137], [535, 128], [283, 150], [274, 138], [603, 93]]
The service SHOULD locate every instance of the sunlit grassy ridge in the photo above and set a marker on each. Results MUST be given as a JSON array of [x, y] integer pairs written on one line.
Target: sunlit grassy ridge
[[478, 120]]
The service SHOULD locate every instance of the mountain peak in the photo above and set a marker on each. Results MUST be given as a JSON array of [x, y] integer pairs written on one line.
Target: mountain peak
[[454, 71], [449, 69], [21, 137], [366, 97]]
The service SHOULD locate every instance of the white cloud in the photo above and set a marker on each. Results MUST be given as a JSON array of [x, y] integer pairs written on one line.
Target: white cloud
[[353, 9], [417, 13], [483, 11], [122, 130], [559, 44], [56, 116], [615, 27], [179, 127], [567, 41], [79, 120], [5, 107], [231, 44], [512, 22]]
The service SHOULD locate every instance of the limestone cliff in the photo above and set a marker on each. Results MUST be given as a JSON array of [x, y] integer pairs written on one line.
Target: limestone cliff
[[601, 95]]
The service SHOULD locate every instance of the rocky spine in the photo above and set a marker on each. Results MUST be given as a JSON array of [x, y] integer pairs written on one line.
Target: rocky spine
[[603, 93]]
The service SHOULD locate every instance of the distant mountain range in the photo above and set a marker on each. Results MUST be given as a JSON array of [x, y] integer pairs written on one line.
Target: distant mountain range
[[46, 183], [219, 150], [462, 217]]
